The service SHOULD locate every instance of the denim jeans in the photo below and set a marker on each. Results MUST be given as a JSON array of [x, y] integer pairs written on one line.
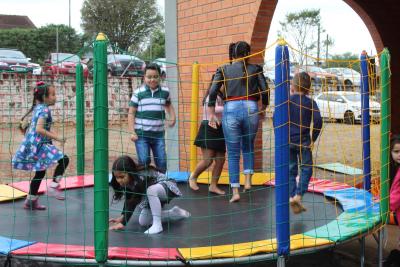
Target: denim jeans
[[157, 146], [300, 155], [240, 125]]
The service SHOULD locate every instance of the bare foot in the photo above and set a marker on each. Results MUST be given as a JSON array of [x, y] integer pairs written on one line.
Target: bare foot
[[295, 204], [247, 184], [235, 198], [193, 184], [216, 190]]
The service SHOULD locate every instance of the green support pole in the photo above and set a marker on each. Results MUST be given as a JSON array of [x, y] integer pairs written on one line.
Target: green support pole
[[100, 149], [80, 121], [385, 130]]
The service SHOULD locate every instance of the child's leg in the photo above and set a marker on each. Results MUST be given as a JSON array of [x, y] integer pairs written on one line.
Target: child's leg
[[206, 161], [216, 173], [306, 165], [249, 131], [54, 189], [160, 156], [32, 201], [143, 151], [35, 182], [174, 214], [155, 194]]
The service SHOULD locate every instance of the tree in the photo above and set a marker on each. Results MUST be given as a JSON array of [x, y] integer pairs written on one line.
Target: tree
[[155, 47], [302, 27], [38, 43], [346, 60], [127, 23]]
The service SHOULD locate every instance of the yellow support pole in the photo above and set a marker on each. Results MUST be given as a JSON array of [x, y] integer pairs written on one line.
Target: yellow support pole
[[194, 115]]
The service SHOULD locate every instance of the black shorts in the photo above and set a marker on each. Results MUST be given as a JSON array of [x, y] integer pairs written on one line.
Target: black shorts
[[210, 138]]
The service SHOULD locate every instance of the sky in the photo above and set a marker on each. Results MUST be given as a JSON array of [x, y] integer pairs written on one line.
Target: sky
[[338, 19]]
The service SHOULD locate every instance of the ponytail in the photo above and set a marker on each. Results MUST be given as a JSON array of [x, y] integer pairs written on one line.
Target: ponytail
[[231, 52]]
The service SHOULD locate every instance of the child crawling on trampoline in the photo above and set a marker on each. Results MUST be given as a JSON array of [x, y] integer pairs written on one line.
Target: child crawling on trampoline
[[147, 188], [302, 111]]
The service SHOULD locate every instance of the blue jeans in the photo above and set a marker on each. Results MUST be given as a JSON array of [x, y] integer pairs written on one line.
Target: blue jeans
[[240, 125], [300, 155], [157, 146]]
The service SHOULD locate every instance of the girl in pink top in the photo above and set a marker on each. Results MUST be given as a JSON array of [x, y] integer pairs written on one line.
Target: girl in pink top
[[395, 175], [210, 138]]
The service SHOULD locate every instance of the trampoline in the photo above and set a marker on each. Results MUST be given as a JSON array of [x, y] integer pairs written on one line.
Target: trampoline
[[216, 230]]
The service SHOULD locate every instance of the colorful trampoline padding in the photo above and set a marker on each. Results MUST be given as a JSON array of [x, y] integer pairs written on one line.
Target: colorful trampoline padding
[[340, 168], [249, 248], [319, 185], [360, 214], [66, 183], [57, 250], [7, 244], [8, 193]]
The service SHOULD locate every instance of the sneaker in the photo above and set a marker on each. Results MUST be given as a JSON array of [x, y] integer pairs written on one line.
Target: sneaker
[[33, 205], [54, 191]]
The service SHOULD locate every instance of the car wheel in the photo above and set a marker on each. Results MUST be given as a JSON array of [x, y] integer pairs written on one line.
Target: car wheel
[[348, 117]]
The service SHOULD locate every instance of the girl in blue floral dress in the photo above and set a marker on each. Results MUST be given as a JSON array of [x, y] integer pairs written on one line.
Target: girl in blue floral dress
[[37, 152]]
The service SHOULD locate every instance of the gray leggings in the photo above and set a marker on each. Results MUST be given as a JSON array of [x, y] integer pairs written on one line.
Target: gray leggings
[[155, 194]]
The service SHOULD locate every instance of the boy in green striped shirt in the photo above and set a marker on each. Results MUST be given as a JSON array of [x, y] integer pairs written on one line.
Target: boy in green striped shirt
[[146, 117]]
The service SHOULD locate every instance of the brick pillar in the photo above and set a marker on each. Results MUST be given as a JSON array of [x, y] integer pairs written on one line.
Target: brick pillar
[[205, 30]]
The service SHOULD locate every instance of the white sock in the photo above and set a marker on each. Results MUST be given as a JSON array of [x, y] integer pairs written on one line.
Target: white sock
[[32, 197], [54, 184], [154, 229]]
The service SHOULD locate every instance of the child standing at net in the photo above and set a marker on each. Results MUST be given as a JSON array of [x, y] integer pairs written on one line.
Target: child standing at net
[[148, 189], [394, 182], [303, 110], [37, 152], [146, 118], [212, 143]]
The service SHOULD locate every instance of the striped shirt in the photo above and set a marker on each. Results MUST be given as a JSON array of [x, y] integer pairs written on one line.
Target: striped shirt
[[150, 113]]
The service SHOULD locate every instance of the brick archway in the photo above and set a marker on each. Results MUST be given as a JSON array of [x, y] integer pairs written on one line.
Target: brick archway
[[206, 27]]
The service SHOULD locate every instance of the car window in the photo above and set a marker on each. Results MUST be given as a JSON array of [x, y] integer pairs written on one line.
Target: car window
[[63, 57], [354, 97], [122, 57], [323, 97], [12, 54]]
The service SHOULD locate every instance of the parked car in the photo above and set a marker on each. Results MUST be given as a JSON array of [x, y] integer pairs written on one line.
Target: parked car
[[13, 60], [320, 77], [347, 77], [163, 66], [36, 68], [125, 65], [63, 63], [346, 106]]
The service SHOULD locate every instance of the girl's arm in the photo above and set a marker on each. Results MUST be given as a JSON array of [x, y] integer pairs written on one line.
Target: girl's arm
[[129, 207], [40, 129]]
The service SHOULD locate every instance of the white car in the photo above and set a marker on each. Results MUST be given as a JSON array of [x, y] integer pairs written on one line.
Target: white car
[[163, 66], [347, 77], [36, 68], [346, 106]]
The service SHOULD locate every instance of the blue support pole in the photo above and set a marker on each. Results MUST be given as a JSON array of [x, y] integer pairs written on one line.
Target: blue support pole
[[365, 123], [281, 131]]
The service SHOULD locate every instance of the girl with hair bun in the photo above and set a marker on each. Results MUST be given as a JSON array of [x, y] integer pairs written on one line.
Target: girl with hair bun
[[243, 86], [37, 152]]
